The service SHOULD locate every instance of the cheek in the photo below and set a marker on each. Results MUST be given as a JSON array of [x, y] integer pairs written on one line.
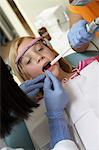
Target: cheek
[[56, 70], [33, 71]]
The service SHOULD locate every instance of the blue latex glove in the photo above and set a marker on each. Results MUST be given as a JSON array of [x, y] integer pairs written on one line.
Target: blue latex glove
[[55, 101], [59, 130], [32, 87], [78, 35], [55, 96]]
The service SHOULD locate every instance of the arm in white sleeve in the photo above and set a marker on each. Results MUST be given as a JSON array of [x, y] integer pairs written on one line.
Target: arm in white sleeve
[[65, 145], [58, 128], [56, 99]]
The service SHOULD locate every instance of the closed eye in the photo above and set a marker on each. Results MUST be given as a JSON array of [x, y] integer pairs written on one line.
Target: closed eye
[[40, 49], [28, 62]]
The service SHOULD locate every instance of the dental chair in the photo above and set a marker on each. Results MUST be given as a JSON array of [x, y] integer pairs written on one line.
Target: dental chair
[[75, 58], [20, 138]]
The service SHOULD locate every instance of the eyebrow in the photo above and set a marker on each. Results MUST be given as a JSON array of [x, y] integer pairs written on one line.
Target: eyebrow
[[23, 58]]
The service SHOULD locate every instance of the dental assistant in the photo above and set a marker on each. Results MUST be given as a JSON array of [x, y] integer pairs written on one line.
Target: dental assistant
[[56, 100], [79, 16]]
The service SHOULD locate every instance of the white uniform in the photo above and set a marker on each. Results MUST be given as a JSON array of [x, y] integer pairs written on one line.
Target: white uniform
[[65, 145], [84, 108]]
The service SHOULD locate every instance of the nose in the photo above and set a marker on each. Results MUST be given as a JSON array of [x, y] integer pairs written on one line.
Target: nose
[[37, 57]]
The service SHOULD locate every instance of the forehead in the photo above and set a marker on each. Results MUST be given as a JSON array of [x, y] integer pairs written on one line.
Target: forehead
[[24, 43], [27, 42]]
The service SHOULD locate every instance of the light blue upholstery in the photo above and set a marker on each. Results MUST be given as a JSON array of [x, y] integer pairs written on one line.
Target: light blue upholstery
[[75, 58], [20, 138]]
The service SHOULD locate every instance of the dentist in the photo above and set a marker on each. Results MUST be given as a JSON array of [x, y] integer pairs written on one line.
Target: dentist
[[56, 100]]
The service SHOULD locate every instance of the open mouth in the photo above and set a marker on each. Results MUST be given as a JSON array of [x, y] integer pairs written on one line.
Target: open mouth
[[46, 66]]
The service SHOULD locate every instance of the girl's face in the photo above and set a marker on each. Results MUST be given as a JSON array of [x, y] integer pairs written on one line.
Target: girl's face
[[35, 58]]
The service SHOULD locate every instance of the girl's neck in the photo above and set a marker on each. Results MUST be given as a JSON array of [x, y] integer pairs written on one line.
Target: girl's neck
[[64, 74]]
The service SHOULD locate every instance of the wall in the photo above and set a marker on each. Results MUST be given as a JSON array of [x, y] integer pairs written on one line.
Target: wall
[[31, 8], [12, 18]]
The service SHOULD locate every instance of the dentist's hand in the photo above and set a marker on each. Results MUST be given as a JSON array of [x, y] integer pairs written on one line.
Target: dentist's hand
[[55, 96], [78, 35], [32, 87]]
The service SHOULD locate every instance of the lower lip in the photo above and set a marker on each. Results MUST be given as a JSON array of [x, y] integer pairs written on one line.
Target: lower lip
[[51, 68]]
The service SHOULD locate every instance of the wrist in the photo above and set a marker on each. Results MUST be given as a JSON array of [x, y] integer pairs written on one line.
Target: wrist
[[55, 114], [82, 48], [59, 130]]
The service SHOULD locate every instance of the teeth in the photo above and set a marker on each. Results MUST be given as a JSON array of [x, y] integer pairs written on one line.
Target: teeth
[[46, 66]]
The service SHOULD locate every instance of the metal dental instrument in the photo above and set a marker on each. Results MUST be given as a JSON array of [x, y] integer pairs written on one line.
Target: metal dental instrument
[[93, 25], [79, 2]]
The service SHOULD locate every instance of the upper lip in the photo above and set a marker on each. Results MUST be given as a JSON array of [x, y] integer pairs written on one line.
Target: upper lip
[[45, 65]]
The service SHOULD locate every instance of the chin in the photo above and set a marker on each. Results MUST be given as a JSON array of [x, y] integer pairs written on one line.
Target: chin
[[56, 73]]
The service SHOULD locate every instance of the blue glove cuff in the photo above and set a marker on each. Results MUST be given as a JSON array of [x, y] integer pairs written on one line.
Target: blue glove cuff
[[55, 114]]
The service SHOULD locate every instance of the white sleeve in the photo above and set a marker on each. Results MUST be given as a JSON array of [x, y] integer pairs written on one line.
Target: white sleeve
[[65, 145], [8, 148]]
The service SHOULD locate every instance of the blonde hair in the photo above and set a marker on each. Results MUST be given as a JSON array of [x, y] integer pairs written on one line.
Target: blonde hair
[[13, 54]]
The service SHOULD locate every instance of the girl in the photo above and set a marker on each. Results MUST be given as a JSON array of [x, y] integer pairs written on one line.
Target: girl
[[28, 56]]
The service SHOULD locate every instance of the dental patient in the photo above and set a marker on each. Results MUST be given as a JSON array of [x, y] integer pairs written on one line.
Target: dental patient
[[29, 57]]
